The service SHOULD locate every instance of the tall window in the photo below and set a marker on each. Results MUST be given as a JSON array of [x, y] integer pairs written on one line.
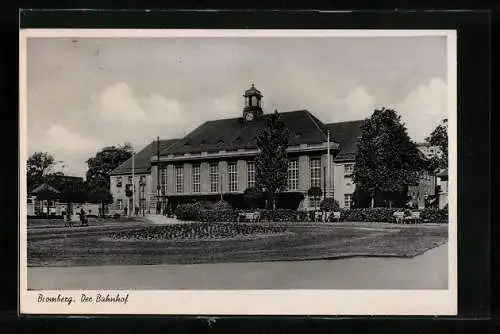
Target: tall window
[[348, 169], [251, 174], [130, 180], [163, 180], [120, 204], [142, 179], [348, 201], [233, 176], [315, 172], [196, 179], [119, 182], [179, 179], [293, 174], [214, 178]]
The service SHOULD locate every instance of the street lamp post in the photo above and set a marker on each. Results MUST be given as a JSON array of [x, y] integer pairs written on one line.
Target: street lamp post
[[158, 187], [324, 182], [133, 184]]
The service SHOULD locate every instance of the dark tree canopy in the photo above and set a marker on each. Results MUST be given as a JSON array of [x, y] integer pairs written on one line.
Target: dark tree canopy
[[329, 204], [315, 192], [387, 161], [100, 196], [73, 189], [272, 163], [39, 168], [439, 137], [105, 161]]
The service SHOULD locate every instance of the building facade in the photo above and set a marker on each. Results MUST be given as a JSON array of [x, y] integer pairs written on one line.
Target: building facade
[[217, 160], [145, 192]]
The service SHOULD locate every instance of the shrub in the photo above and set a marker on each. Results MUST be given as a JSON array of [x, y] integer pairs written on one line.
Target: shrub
[[191, 211], [434, 216], [329, 204], [368, 215], [386, 215]]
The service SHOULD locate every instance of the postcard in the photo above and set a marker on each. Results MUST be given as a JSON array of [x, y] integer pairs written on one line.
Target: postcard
[[238, 172]]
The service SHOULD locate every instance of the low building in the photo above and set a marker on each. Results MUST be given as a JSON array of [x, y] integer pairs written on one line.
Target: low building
[[43, 200], [442, 191], [430, 151]]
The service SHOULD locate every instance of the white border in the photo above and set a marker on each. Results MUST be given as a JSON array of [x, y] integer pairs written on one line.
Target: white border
[[254, 302]]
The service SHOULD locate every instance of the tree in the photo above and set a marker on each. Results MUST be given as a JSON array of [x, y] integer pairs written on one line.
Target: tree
[[315, 193], [100, 196], [330, 205], [103, 163], [39, 167], [387, 161], [271, 162], [439, 137]]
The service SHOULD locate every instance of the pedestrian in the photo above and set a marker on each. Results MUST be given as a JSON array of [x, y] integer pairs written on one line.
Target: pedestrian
[[82, 216]]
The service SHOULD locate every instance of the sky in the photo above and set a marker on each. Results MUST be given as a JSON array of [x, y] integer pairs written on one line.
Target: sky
[[87, 93]]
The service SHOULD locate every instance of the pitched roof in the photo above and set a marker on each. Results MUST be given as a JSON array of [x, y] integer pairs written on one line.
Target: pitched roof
[[443, 173], [45, 187], [236, 133], [346, 134], [142, 161]]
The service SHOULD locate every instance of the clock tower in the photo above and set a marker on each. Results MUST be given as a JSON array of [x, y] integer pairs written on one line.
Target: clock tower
[[253, 104]]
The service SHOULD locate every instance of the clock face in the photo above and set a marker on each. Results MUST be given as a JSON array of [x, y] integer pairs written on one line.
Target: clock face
[[249, 116]]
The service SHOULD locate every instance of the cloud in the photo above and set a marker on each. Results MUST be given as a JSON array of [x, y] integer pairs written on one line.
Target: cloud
[[120, 114], [424, 108], [60, 139], [359, 103], [68, 146], [127, 117]]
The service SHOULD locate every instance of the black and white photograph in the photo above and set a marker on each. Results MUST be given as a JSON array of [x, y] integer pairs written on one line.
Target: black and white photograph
[[238, 171]]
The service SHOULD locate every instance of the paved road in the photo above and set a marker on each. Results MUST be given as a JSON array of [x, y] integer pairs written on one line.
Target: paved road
[[427, 271]]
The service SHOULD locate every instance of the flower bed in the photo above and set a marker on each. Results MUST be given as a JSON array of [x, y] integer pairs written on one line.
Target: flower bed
[[196, 231]]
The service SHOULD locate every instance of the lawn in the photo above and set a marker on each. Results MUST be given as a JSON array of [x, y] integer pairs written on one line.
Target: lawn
[[96, 246]]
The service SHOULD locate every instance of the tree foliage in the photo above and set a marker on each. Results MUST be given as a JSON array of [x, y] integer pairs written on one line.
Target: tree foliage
[[439, 137], [387, 161], [39, 168], [271, 162], [103, 163], [73, 189], [329, 204], [314, 192]]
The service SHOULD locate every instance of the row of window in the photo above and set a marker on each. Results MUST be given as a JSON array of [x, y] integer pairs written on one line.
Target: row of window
[[142, 180], [214, 177], [314, 202]]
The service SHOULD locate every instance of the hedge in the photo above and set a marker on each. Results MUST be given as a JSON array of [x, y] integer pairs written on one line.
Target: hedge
[[204, 213], [386, 215]]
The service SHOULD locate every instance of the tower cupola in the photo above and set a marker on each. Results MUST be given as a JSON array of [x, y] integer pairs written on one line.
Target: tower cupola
[[253, 103]]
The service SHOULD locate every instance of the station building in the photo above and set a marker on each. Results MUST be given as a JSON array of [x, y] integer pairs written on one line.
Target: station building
[[216, 160]]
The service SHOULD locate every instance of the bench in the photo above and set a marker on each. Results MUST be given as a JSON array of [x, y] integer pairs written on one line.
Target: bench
[[336, 215], [400, 216], [413, 217]]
